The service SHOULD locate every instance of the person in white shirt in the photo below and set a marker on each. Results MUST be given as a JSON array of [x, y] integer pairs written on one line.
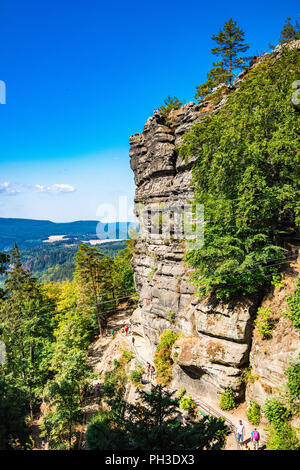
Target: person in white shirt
[[240, 431]]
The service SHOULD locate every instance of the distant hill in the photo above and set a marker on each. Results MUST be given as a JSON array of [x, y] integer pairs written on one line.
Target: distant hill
[[28, 233]]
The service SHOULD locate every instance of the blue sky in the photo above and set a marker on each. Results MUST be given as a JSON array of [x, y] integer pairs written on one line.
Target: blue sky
[[81, 77]]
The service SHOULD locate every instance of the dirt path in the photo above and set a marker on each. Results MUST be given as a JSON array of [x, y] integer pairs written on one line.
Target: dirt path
[[141, 349], [105, 349]]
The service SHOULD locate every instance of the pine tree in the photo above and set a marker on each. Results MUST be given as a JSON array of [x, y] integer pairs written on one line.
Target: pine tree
[[230, 44], [172, 102], [25, 314], [289, 32], [153, 422]]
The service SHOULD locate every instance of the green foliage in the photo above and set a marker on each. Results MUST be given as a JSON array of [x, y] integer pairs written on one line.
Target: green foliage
[[47, 330], [122, 277], [227, 401], [181, 393], [293, 381], [151, 273], [114, 385], [13, 411], [103, 435], [247, 375], [127, 355], [162, 357], [152, 424], [230, 44], [101, 280], [136, 376], [277, 282], [65, 393], [276, 412], [289, 31], [246, 176], [282, 438], [27, 331], [294, 307], [253, 413], [169, 103], [170, 314], [188, 404], [263, 322]]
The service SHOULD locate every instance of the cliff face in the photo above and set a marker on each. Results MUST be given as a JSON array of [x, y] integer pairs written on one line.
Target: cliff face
[[216, 343], [216, 340]]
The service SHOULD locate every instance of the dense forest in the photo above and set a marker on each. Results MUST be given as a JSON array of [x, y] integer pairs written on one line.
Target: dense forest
[[46, 329]]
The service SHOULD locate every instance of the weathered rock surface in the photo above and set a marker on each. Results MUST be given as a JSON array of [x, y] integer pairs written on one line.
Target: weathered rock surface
[[216, 342]]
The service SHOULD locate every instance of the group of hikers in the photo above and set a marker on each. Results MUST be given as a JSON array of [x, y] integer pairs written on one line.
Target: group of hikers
[[109, 333], [128, 328], [150, 370], [255, 437], [149, 373]]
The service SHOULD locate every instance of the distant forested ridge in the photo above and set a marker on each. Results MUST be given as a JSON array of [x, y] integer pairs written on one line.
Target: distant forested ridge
[[28, 233], [55, 262]]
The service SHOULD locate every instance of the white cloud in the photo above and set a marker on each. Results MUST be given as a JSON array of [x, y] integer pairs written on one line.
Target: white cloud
[[7, 189], [55, 188]]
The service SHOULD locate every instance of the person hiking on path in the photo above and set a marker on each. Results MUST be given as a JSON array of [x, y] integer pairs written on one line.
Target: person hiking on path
[[255, 436], [240, 431], [148, 370], [152, 371], [126, 330]]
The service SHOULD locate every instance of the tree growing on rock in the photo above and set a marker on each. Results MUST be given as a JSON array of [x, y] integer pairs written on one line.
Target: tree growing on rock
[[289, 31], [170, 103], [230, 44]]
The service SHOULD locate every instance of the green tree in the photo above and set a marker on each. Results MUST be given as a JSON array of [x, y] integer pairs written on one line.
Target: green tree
[[153, 423], [293, 383], [89, 279], [289, 31], [276, 412], [13, 411], [65, 395], [123, 273], [247, 177], [230, 44], [283, 438], [293, 313], [27, 330], [170, 103]]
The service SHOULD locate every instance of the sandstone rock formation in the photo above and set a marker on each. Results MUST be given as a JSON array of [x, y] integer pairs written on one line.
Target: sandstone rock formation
[[216, 342]]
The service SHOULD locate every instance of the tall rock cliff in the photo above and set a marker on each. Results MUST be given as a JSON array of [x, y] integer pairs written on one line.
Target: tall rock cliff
[[215, 346]]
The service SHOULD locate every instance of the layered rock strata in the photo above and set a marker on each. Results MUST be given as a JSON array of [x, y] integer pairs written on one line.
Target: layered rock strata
[[215, 346]]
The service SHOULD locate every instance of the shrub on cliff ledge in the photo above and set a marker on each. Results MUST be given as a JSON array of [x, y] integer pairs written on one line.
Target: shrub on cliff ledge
[[227, 401], [162, 358], [170, 103], [264, 322], [253, 413], [294, 307], [247, 177]]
